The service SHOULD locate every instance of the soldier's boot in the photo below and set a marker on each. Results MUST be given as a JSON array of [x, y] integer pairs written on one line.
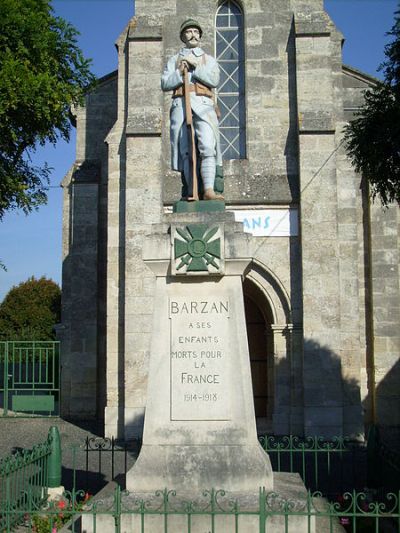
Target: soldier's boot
[[210, 194], [208, 176]]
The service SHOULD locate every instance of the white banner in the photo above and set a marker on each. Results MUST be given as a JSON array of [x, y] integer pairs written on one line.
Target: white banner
[[273, 222]]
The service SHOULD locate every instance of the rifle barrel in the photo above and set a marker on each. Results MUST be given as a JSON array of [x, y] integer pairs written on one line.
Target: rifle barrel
[[191, 135]]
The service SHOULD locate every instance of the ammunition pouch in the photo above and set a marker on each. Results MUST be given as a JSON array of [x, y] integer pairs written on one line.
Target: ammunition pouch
[[198, 88]]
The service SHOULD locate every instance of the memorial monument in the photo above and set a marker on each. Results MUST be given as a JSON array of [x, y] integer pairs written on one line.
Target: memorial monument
[[199, 428]]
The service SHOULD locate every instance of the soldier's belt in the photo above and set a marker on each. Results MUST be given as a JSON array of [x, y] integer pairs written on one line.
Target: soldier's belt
[[198, 88]]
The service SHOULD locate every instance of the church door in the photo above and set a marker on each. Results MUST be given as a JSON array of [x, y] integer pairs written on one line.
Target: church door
[[260, 342]]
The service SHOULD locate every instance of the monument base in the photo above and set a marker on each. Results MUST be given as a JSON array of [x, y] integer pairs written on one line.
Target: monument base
[[199, 428], [193, 468], [230, 511], [199, 206]]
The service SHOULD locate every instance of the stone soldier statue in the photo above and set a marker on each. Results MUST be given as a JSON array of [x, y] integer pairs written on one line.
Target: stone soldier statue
[[203, 76]]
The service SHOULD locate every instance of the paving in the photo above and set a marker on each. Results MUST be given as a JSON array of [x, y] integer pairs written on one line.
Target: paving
[[24, 432], [91, 471]]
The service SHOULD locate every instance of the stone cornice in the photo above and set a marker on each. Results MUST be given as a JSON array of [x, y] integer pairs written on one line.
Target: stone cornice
[[140, 29]]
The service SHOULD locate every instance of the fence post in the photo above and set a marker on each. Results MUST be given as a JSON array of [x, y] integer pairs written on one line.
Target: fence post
[[117, 509], [54, 464], [262, 510], [5, 405]]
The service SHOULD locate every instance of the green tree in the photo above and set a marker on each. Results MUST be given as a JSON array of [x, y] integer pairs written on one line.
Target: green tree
[[30, 310], [42, 73], [373, 137]]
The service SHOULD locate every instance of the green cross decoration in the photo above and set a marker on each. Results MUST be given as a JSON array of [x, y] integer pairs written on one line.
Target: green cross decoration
[[197, 251]]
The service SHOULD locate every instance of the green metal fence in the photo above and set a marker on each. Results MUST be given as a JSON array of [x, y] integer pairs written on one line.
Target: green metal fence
[[23, 483], [29, 378], [26, 477], [328, 466], [215, 511]]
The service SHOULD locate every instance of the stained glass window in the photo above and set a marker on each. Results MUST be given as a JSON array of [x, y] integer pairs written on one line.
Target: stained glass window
[[231, 90]]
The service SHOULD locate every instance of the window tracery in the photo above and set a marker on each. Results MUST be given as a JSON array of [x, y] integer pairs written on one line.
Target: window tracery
[[229, 45]]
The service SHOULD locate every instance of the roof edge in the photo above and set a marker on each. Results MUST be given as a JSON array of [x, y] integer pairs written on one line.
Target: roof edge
[[108, 77], [360, 75]]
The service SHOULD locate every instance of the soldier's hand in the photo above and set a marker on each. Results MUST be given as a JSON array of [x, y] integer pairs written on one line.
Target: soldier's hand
[[182, 65]]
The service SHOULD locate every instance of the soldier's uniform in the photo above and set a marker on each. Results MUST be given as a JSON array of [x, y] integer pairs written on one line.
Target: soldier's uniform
[[202, 79]]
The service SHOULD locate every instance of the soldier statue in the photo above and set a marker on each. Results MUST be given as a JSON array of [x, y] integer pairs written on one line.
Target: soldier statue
[[201, 73]]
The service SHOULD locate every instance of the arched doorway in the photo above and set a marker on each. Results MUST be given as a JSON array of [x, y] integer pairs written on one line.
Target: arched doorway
[[261, 350]]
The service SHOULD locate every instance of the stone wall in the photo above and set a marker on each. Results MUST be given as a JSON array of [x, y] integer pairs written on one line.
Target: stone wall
[[79, 305], [385, 226], [83, 256], [330, 309], [376, 234]]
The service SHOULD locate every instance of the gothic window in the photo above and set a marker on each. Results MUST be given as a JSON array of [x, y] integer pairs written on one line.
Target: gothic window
[[231, 90]]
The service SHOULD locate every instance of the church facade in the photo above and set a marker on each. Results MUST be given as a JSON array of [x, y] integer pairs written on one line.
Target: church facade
[[322, 290]]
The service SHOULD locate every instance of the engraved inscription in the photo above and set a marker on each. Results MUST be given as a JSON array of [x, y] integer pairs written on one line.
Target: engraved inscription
[[199, 359], [199, 307]]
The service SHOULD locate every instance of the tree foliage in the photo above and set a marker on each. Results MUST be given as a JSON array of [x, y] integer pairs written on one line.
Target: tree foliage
[[42, 73], [30, 310], [373, 137]]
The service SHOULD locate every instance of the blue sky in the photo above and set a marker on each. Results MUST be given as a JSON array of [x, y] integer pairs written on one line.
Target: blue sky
[[31, 245]]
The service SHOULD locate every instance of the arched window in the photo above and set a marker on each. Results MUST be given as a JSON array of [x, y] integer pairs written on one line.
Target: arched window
[[231, 90]]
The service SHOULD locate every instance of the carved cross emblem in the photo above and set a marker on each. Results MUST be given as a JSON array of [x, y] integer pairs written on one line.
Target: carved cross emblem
[[197, 248]]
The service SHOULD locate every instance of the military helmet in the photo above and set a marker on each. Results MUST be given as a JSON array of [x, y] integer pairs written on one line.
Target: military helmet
[[189, 23]]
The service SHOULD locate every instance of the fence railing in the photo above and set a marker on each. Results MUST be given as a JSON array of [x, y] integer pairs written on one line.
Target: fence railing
[[23, 482], [328, 466], [97, 461], [23, 496], [217, 511], [26, 477], [121, 456], [30, 377]]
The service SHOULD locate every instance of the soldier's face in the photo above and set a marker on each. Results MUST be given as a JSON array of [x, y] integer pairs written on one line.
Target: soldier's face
[[191, 37]]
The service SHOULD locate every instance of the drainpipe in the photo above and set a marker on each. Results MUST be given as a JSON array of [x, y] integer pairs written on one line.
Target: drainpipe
[[369, 299]]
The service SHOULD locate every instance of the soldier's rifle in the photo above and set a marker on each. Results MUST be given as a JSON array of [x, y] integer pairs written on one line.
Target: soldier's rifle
[[191, 134]]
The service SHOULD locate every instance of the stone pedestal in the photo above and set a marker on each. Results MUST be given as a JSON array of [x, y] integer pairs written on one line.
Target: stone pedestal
[[199, 430], [201, 463]]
